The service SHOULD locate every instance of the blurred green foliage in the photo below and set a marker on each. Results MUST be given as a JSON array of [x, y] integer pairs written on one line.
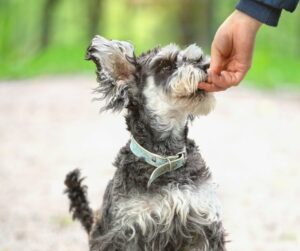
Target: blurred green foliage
[[50, 36]]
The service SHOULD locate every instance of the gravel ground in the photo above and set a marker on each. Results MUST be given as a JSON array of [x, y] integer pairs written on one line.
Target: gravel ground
[[49, 126]]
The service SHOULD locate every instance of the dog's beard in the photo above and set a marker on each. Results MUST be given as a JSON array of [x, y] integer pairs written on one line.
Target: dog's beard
[[184, 81], [201, 103], [183, 88]]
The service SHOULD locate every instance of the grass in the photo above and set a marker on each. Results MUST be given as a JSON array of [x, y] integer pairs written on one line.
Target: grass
[[268, 71], [271, 71], [275, 63], [54, 60]]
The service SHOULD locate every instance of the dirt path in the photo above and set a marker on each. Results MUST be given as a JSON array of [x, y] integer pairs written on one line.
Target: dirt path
[[49, 126]]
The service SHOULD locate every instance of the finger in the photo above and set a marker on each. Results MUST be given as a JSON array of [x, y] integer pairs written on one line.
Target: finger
[[234, 78], [221, 50], [218, 80], [209, 73], [209, 87], [216, 60], [226, 79]]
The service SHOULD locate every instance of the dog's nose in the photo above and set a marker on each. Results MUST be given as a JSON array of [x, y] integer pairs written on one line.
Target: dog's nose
[[205, 67]]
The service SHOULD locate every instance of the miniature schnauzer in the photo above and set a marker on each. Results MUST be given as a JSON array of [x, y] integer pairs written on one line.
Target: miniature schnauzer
[[161, 197]]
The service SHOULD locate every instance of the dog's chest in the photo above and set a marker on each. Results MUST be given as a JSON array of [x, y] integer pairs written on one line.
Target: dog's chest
[[186, 209]]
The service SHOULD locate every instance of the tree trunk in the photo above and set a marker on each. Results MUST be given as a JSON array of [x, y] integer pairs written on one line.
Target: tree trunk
[[195, 19], [48, 12], [94, 12], [210, 20]]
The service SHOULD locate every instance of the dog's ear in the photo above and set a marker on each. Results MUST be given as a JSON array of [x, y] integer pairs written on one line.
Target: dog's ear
[[166, 57], [116, 68]]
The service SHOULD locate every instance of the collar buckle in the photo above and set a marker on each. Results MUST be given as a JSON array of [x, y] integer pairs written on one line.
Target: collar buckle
[[163, 164]]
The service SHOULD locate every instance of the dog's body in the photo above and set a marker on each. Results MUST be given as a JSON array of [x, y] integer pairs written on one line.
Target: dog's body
[[179, 210]]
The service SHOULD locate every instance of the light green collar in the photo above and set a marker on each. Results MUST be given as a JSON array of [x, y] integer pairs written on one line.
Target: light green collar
[[163, 164]]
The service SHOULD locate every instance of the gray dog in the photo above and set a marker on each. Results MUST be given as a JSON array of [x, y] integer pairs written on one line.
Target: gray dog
[[161, 197]]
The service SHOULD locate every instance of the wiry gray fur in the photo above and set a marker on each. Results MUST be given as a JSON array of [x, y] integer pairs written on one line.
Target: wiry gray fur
[[180, 210]]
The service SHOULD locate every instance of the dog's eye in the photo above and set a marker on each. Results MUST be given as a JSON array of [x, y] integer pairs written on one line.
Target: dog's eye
[[165, 66], [198, 60]]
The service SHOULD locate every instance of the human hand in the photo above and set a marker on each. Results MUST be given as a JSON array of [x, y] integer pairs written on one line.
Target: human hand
[[231, 52]]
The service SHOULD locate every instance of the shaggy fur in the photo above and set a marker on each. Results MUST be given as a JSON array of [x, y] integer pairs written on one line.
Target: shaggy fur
[[180, 211]]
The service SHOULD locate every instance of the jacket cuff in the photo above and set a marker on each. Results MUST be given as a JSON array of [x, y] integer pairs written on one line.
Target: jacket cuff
[[261, 12]]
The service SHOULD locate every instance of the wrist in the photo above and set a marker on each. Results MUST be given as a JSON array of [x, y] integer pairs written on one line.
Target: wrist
[[251, 22]]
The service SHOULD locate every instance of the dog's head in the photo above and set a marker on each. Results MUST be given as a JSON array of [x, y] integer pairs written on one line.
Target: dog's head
[[166, 78]]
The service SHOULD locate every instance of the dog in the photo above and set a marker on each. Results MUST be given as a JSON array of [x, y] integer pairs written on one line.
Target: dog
[[162, 197]]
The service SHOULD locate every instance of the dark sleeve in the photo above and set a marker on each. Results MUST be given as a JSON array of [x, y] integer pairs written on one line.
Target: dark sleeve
[[266, 11]]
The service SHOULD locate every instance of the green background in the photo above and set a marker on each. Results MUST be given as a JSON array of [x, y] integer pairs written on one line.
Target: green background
[[69, 26]]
